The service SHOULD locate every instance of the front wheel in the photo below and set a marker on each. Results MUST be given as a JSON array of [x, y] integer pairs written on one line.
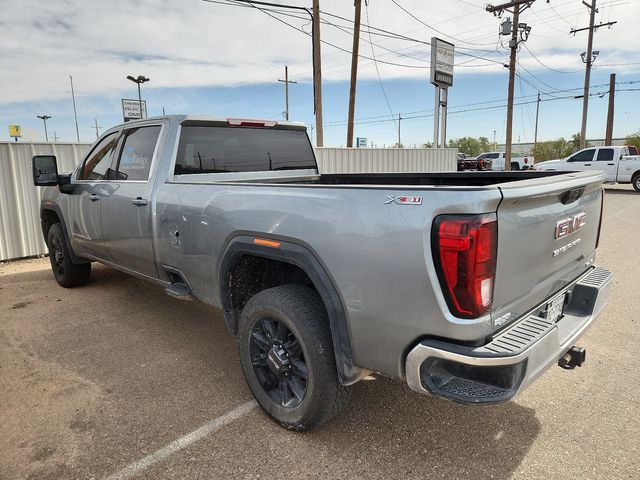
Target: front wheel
[[66, 273], [636, 182], [286, 352]]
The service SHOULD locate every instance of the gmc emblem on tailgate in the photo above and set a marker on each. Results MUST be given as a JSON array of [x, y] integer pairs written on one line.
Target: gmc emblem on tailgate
[[569, 225]]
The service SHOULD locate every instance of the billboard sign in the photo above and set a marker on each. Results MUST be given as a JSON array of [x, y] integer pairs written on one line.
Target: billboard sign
[[131, 109], [15, 131], [361, 142], [441, 62]]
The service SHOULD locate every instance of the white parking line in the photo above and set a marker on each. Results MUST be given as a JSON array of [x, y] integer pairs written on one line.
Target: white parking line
[[183, 442]]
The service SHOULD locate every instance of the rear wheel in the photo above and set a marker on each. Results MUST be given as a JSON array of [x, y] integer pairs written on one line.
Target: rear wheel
[[515, 166], [287, 357], [636, 182], [66, 273]]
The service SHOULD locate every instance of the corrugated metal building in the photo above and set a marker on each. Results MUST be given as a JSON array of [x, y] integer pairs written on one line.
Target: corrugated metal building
[[20, 234]]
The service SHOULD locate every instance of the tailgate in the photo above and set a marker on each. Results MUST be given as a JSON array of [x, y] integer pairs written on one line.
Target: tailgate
[[547, 231]]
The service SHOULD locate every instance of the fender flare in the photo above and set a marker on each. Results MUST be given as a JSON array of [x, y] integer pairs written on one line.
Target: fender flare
[[56, 209], [302, 256]]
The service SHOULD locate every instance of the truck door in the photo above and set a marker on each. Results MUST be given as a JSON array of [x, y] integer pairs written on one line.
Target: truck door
[[85, 203], [606, 161], [126, 214], [583, 160]]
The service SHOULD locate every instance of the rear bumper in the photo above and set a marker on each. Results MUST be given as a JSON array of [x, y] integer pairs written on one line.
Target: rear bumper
[[516, 357]]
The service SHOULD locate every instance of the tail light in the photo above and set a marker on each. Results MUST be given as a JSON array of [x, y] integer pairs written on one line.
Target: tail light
[[526, 160], [465, 252], [601, 214], [243, 122]]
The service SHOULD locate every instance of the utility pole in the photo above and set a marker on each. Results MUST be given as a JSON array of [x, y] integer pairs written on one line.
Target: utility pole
[[75, 115], [286, 91], [55, 137], [399, 138], [97, 127], [495, 144], [44, 118], [612, 95], [317, 73], [588, 58], [354, 72], [535, 134], [519, 33], [587, 75]]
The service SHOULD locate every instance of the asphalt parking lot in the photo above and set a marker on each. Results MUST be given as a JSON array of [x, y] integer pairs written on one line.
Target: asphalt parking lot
[[118, 380]]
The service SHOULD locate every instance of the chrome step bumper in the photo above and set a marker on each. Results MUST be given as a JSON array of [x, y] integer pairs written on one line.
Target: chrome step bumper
[[514, 358]]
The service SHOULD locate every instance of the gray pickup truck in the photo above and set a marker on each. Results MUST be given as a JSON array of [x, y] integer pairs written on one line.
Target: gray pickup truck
[[467, 286]]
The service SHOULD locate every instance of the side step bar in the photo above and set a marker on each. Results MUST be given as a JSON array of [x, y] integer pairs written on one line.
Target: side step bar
[[179, 291]]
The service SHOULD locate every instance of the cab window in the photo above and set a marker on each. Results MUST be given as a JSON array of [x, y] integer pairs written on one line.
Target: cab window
[[98, 162], [583, 156], [605, 155], [137, 153]]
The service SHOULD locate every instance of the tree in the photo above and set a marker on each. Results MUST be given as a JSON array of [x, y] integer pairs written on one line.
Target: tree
[[471, 146], [633, 139]]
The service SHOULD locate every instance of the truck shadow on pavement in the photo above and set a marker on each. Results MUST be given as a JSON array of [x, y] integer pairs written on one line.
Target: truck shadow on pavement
[[159, 368]]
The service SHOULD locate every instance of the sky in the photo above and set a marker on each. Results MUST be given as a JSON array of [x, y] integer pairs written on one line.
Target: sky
[[214, 58]]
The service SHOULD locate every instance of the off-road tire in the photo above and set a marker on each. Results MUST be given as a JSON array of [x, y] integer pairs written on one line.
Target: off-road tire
[[66, 273], [302, 312]]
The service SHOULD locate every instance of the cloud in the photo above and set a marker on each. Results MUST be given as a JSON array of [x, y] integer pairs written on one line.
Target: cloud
[[193, 43]]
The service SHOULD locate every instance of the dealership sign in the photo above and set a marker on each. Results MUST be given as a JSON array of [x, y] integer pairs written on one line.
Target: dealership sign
[[131, 109], [441, 62]]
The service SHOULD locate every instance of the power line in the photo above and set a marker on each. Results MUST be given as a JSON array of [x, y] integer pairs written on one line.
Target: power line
[[546, 66], [366, 9], [431, 27]]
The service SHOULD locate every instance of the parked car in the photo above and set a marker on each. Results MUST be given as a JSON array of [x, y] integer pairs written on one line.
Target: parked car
[[466, 163], [617, 163], [465, 286], [497, 161]]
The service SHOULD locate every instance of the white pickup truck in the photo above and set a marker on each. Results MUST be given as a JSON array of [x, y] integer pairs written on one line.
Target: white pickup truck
[[497, 161], [616, 162]]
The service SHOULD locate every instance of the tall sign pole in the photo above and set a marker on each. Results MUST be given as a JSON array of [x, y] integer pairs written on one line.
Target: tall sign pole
[[442, 56]]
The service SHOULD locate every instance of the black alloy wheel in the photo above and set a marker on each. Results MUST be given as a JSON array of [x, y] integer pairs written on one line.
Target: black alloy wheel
[[66, 273], [287, 357], [278, 362]]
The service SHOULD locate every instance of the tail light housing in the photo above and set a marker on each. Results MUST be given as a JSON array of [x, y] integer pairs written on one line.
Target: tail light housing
[[465, 254]]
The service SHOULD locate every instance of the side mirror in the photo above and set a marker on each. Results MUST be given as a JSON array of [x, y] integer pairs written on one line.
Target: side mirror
[[45, 170]]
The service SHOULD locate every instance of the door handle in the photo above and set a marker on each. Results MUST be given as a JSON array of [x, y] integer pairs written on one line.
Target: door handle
[[610, 163], [139, 202], [93, 197], [587, 164]]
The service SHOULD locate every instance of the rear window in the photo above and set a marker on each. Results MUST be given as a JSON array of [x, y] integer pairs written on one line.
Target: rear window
[[214, 149]]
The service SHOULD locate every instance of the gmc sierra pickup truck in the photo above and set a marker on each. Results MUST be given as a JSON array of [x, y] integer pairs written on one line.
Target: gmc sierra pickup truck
[[620, 164], [467, 286]]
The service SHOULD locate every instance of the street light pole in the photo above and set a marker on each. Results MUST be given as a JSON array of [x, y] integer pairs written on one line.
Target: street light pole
[[139, 79], [44, 118]]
